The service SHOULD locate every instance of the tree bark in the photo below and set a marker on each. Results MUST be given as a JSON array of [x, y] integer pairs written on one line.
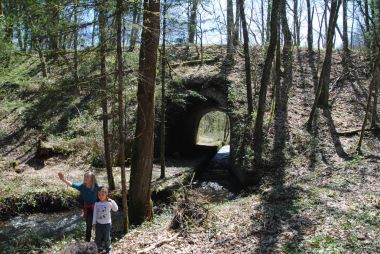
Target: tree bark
[[345, 36], [296, 24], [76, 5], [247, 58], [237, 23], [142, 159], [309, 26], [120, 88], [135, 25], [282, 91], [322, 91], [163, 92], [104, 92], [193, 21], [258, 129], [230, 28]]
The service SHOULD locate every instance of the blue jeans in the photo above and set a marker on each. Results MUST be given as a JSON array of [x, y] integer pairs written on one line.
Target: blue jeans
[[103, 237]]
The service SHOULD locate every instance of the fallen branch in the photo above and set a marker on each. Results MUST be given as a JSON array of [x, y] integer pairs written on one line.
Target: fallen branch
[[158, 244], [353, 132], [196, 62]]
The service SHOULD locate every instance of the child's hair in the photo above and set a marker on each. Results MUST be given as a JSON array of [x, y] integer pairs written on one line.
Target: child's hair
[[103, 188], [93, 178]]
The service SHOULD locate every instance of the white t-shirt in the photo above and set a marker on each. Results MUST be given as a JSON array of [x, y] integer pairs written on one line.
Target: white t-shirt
[[102, 212]]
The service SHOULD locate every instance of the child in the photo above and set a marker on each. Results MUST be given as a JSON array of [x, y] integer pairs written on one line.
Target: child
[[88, 191], [102, 219]]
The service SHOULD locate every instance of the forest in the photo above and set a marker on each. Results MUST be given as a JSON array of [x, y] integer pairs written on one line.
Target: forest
[[189, 126]]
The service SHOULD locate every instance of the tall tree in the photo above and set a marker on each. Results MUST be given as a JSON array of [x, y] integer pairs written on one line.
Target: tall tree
[[322, 91], [345, 35], [136, 16], [163, 92], [121, 108], [230, 29], [247, 58], [104, 89], [237, 24], [310, 13], [76, 34], [282, 90], [258, 128], [296, 24], [142, 158], [193, 20]]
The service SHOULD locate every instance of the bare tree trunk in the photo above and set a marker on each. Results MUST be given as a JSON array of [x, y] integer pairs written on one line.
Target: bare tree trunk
[[120, 88], [230, 28], [135, 24], [142, 159], [163, 92], [296, 25], [262, 22], [366, 16], [247, 58], [237, 24], [193, 21], [322, 94], [282, 90], [375, 78], [310, 12], [76, 5], [258, 129], [345, 36], [104, 92]]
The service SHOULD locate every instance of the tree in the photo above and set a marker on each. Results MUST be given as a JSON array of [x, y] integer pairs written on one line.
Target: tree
[[248, 79], [103, 81], [136, 16], [310, 14], [282, 90], [163, 92], [322, 93], [345, 36], [230, 29], [142, 158], [193, 20], [258, 128], [120, 88], [76, 5]]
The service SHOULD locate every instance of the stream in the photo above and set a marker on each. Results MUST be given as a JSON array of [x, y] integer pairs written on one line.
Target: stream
[[216, 181]]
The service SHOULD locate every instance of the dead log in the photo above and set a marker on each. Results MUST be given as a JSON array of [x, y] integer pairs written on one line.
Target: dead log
[[355, 132], [196, 62]]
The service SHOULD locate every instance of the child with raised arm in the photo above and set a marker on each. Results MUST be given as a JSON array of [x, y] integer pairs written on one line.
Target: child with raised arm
[[88, 191], [102, 220]]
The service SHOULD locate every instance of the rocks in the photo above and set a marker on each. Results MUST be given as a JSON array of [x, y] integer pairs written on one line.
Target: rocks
[[81, 248]]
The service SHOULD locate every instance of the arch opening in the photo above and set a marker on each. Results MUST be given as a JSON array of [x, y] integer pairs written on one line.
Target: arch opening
[[213, 129]]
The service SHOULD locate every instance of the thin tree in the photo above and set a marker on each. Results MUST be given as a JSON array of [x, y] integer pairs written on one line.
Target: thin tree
[[230, 28], [142, 158], [76, 30], [163, 92], [247, 58], [193, 20], [310, 14], [345, 36], [322, 91], [258, 128], [136, 16], [120, 88], [104, 91]]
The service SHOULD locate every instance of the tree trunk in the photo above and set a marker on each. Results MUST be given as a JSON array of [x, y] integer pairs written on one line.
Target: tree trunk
[[375, 77], [104, 92], [322, 91], [76, 5], [269, 9], [296, 25], [324, 78], [258, 129], [193, 21], [142, 158], [345, 36], [262, 22], [120, 88], [309, 26], [282, 91], [237, 23], [163, 92], [247, 58], [135, 24], [366, 16], [230, 28]]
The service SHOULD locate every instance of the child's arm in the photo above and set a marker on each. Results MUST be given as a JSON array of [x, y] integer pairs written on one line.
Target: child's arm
[[113, 205], [94, 216], [63, 179]]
